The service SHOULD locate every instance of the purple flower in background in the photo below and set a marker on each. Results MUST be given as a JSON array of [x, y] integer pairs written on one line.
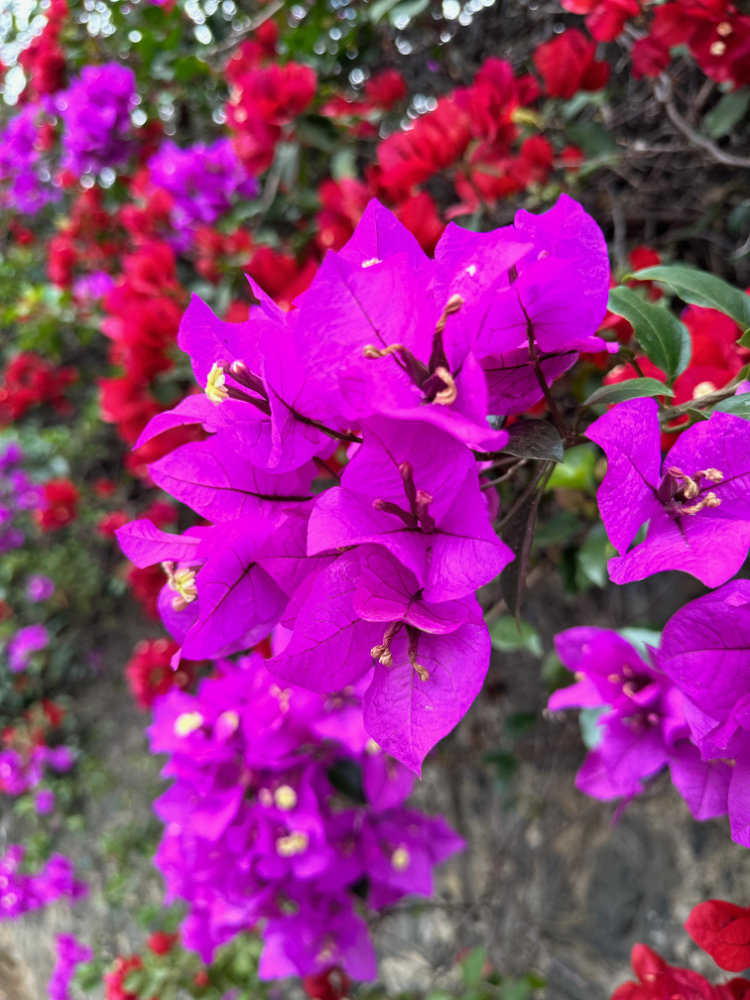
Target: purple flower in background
[[643, 727], [39, 588], [697, 502], [26, 183], [204, 181], [22, 892], [70, 953], [44, 803], [24, 643], [95, 110], [17, 495], [253, 821], [92, 287]]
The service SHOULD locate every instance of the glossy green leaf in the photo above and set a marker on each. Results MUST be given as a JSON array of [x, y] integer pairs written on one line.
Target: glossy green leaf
[[634, 388], [738, 405], [701, 289], [661, 335]]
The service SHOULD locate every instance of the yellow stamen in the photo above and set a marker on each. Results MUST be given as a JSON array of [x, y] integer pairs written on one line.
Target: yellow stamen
[[371, 351], [709, 500], [294, 843], [400, 859], [183, 581], [215, 388], [447, 395], [187, 723], [285, 797]]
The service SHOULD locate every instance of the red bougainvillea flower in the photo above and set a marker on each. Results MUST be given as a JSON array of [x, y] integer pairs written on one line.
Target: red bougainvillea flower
[[333, 984], [385, 89], [114, 981], [567, 64], [723, 930], [161, 943], [659, 981], [149, 672], [61, 505]]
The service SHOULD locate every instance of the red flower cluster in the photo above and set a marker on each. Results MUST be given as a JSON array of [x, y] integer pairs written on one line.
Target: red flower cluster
[[567, 64], [61, 505], [114, 981], [144, 310], [161, 943], [29, 381], [381, 93], [715, 32], [149, 672], [475, 131], [264, 97], [723, 931], [717, 36], [90, 239], [659, 981]]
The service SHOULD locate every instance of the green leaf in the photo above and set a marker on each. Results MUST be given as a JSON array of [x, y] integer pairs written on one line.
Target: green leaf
[[727, 112], [472, 965], [634, 388], [576, 472], [507, 637], [701, 289], [661, 335], [738, 405], [592, 138], [534, 439]]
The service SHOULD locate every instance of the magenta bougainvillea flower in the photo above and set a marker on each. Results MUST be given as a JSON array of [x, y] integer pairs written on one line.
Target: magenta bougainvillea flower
[[396, 363], [414, 489], [705, 651], [697, 502], [643, 725], [256, 828]]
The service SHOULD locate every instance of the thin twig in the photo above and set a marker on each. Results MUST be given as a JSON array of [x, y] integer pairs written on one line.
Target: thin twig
[[664, 95]]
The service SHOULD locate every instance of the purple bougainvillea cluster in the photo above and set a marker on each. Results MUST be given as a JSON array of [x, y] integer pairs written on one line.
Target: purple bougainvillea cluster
[[339, 479], [95, 112], [203, 181], [284, 812], [21, 892], [18, 496], [397, 362], [687, 709]]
